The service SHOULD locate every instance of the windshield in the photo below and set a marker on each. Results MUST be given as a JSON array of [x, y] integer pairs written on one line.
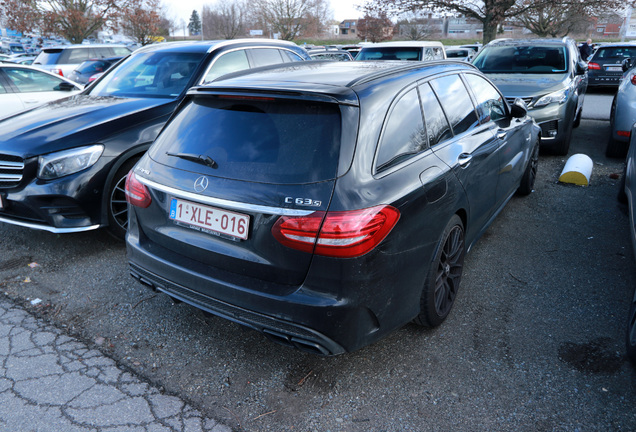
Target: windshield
[[155, 74], [390, 53], [522, 59]]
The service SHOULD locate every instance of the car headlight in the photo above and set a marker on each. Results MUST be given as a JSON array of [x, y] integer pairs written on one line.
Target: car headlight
[[60, 164], [557, 97]]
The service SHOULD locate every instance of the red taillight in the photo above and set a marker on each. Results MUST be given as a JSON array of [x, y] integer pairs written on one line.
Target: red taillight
[[57, 71], [593, 66], [623, 133], [633, 79], [342, 234], [137, 193]]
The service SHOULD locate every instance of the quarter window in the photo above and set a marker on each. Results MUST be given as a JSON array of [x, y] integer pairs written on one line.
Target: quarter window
[[456, 103], [404, 134], [28, 80], [490, 103]]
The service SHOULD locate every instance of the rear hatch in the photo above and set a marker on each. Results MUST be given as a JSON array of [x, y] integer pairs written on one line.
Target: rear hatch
[[226, 169]]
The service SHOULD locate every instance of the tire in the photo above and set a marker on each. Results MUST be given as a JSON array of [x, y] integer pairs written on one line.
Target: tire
[[444, 276], [117, 205], [621, 196], [563, 146], [530, 174], [615, 148], [630, 339]]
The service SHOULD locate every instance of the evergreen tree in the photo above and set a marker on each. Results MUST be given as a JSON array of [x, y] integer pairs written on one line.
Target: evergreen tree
[[195, 24]]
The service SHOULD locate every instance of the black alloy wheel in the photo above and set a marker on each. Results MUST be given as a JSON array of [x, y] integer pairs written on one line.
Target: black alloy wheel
[[442, 283], [631, 334], [117, 204], [530, 174]]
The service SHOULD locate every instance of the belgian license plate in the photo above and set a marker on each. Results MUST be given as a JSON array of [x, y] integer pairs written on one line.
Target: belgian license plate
[[209, 218], [614, 69]]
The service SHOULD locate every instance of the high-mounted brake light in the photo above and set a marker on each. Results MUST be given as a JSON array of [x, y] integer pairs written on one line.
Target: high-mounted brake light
[[341, 234], [593, 66], [248, 98], [137, 193]]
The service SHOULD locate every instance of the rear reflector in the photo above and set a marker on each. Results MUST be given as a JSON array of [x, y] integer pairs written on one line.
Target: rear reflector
[[343, 234], [137, 193], [623, 133]]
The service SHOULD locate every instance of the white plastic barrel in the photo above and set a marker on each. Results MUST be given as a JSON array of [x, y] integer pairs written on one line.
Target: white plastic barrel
[[577, 170]]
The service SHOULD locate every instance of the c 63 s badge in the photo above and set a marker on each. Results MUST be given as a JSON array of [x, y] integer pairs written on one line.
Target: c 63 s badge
[[306, 202]]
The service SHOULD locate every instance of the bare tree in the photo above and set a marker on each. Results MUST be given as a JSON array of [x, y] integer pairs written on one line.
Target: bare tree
[[21, 15], [225, 19], [561, 17], [491, 13], [375, 28], [413, 26], [292, 18], [140, 20]]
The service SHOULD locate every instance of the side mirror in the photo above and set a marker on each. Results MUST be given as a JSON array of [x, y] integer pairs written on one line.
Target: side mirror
[[627, 64], [64, 86], [518, 109], [581, 68]]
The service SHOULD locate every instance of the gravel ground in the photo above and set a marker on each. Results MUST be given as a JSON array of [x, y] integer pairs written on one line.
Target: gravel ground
[[535, 341]]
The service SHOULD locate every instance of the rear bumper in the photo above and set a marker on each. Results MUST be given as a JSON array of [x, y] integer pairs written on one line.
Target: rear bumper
[[280, 331]]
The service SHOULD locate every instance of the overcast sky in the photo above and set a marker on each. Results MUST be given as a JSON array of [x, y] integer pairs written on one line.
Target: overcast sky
[[182, 9]]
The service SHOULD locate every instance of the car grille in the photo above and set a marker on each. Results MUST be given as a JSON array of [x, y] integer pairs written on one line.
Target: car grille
[[11, 170], [511, 100]]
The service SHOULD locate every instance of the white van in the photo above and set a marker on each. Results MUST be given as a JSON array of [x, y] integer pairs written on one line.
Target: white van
[[403, 50]]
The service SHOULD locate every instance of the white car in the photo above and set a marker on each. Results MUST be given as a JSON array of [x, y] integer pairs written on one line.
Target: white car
[[23, 87]]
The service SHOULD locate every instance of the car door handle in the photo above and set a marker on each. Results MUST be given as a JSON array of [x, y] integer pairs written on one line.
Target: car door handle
[[464, 159], [502, 134], [31, 101]]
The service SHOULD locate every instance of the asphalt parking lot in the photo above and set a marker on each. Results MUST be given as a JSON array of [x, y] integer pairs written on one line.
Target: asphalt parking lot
[[535, 341]]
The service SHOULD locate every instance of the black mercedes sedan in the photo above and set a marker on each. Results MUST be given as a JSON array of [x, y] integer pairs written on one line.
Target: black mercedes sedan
[[327, 204], [63, 165]]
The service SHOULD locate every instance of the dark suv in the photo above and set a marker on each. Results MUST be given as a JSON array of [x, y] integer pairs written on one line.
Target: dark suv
[[63, 165], [548, 75], [329, 203]]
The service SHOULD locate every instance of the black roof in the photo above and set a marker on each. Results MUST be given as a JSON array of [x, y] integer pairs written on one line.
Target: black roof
[[333, 79]]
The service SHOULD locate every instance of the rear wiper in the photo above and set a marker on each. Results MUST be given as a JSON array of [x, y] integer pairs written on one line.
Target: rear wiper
[[200, 159]]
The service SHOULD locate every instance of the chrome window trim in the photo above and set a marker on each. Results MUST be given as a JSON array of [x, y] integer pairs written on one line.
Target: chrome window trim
[[234, 205]]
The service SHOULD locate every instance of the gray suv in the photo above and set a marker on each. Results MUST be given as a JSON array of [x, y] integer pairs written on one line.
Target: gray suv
[[548, 75], [63, 60]]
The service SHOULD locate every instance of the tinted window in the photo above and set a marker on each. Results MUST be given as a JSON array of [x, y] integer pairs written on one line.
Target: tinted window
[[265, 56], [277, 141], [227, 63], [490, 104], [437, 127], [102, 53], [120, 51], [456, 102], [522, 59], [615, 53], [77, 55], [404, 132], [289, 56], [158, 74], [93, 66], [27, 80], [390, 53], [48, 56]]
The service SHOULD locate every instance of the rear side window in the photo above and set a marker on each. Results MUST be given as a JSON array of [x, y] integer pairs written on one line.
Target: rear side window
[[289, 56], [437, 127], [268, 140], [28, 80], [456, 103], [120, 51], [404, 134], [77, 55], [265, 56]]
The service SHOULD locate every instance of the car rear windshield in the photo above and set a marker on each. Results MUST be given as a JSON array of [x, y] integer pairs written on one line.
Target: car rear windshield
[[522, 59], [48, 56], [268, 140], [614, 53]]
